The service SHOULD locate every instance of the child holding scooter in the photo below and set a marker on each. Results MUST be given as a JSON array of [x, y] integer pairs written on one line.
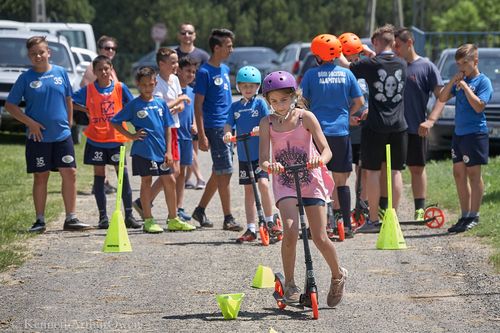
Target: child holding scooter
[[246, 114], [290, 132]]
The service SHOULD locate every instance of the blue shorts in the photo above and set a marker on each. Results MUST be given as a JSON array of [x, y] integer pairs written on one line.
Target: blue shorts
[[222, 153], [306, 201], [49, 156], [101, 156], [186, 152], [472, 149], [245, 173], [341, 153], [144, 167]]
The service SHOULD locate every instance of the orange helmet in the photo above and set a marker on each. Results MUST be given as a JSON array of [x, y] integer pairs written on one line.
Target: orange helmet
[[351, 44], [326, 46]]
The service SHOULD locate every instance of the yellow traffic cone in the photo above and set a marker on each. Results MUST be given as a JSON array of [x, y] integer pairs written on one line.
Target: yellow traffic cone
[[117, 237], [264, 278], [390, 236], [230, 304]]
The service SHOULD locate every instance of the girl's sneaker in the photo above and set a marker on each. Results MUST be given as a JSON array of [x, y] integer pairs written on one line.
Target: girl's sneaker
[[201, 185], [183, 215], [337, 288], [292, 294], [248, 236], [177, 224], [189, 185], [150, 226]]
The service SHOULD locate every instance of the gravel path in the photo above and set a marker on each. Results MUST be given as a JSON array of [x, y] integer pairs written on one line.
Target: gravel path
[[168, 283]]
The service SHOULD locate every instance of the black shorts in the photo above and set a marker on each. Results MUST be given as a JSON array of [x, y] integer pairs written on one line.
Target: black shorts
[[144, 167], [101, 156], [245, 173], [46, 156], [356, 153], [341, 153], [307, 202], [472, 149], [373, 149], [416, 154]]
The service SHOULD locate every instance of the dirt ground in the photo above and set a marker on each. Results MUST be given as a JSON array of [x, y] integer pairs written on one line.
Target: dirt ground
[[168, 283]]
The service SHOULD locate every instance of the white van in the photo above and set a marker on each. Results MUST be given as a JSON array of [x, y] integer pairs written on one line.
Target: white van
[[77, 34]]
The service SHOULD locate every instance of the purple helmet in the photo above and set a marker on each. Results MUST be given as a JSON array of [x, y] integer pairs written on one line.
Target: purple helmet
[[278, 80]]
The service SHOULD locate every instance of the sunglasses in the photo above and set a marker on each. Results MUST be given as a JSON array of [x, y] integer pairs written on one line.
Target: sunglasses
[[109, 48], [184, 33]]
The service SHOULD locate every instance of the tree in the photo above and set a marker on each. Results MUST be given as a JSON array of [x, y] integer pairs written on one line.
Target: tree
[[57, 11]]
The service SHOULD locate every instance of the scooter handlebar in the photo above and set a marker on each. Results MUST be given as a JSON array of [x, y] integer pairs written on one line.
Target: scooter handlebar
[[296, 167], [242, 137]]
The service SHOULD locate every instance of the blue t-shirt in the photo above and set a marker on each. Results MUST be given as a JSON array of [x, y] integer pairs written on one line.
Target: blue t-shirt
[[45, 96], [213, 83], [186, 117], [80, 97], [355, 131], [246, 116], [329, 89], [422, 77], [468, 121], [153, 117]]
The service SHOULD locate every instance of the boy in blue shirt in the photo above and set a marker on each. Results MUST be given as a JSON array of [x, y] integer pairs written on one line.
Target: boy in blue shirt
[[186, 74], [211, 108], [152, 149], [470, 145], [334, 96], [246, 114], [101, 100], [48, 115]]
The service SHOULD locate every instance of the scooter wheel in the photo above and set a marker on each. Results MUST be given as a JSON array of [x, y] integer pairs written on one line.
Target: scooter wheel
[[357, 222], [277, 221], [340, 228], [278, 288], [314, 305], [264, 235], [437, 216]]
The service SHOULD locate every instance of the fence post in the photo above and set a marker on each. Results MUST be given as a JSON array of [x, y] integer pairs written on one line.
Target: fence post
[[419, 36]]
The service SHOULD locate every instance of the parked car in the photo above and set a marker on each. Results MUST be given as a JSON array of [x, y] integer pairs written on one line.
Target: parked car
[[149, 59], [489, 64], [257, 56], [76, 34], [83, 58], [290, 58], [14, 61]]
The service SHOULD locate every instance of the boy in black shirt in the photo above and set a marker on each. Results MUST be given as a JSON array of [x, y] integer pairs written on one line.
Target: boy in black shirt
[[385, 75]]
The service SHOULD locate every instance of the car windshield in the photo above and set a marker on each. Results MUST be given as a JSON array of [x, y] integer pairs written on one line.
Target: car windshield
[[13, 53], [252, 56], [489, 65]]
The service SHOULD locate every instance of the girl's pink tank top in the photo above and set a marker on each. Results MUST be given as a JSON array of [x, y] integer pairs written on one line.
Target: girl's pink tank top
[[297, 147]]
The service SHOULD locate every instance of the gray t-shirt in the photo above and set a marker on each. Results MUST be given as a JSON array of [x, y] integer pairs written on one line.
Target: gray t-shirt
[[422, 77]]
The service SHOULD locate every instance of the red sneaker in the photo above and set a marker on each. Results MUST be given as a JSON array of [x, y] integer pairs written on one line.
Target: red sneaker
[[248, 236]]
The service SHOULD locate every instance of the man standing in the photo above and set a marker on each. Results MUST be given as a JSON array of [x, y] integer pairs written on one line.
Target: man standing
[[187, 36], [422, 78]]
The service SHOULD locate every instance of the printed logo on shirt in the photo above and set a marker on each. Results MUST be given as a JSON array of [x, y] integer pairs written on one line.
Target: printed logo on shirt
[[115, 157], [36, 84], [58, 80], [218, 80], [108, 108], [332, 77], [389, 87], [40, 162], [142, 114], [237, 115], [67, 159]]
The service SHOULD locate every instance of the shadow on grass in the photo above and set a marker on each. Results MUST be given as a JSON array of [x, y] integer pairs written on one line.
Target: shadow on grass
[[11, 138], [249, 316], [493, 196]]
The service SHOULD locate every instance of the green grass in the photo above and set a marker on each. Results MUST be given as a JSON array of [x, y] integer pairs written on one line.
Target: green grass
[[16, 210], [441, 189]]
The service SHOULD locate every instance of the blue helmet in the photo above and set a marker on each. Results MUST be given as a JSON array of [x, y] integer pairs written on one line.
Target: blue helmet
[[248, 74]]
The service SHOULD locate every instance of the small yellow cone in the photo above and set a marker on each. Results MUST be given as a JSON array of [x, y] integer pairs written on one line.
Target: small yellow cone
[[264, 278], [117, 237], [390, 236], [230, 304]]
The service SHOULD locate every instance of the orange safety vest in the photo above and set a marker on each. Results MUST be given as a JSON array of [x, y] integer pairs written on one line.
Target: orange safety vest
[[101, 109]]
